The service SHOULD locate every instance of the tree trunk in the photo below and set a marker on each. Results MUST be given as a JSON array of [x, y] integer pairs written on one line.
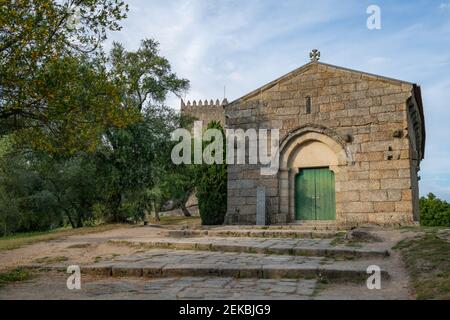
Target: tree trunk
[[156, 209], [183, 204], [145, 217], [70, 219], [114, 204], [185, 210], [80, 221]]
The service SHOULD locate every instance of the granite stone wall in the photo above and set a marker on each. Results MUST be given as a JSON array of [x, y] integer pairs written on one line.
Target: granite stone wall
[[361, 116]]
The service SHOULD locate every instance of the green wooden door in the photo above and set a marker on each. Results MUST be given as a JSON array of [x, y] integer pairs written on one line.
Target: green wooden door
[[325, 195], [315, 197], [305, 191]]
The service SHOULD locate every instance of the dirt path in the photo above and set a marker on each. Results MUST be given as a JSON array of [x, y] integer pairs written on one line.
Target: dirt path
[[79, 249], [94, 248]]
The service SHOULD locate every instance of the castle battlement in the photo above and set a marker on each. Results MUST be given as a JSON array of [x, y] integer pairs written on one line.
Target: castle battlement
[[205, 110], [204, 103]]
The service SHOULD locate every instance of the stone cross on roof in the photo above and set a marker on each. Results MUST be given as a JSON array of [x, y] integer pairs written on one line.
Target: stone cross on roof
[[314, 55]]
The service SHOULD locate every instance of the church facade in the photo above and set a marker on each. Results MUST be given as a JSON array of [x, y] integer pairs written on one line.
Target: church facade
[[351, 144]]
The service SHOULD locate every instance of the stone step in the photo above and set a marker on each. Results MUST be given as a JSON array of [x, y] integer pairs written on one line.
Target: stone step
[[256, 233], [303, 226], [173, 263], [298, 247]]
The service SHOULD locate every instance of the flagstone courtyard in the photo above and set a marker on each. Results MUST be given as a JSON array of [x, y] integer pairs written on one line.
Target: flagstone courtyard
[[290, 262]]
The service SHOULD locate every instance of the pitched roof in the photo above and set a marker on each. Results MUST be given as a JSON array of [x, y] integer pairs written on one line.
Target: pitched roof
[[306, 67], [415, 88]]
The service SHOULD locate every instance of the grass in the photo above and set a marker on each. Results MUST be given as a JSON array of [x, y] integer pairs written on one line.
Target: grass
[[23, 239], [98, 259], [427, 259], [320, 286], [15, 275], [51, 260], [341, 241]]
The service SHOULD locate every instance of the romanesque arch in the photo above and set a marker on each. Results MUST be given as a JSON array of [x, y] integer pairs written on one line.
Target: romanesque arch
[[305, 134], [307, 147]]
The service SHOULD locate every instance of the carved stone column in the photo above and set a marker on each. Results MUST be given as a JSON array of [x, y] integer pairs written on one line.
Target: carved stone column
[[292, 173], [283, 188]]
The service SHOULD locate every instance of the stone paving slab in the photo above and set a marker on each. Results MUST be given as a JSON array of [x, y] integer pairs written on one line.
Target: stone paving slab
[[253, 233], [154, 273], [303, 226], [53, 286], [295, 247], [178, 263]]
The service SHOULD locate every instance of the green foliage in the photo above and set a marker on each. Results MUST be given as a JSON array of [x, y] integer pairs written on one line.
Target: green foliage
[[145, 76], [15, 275], [179, 181], [39, 192], [55, 93], [135, 159], [116, 183], [78, 102], [25, 204], [212, 188], [133, 162], [83, 137], [434, 212]]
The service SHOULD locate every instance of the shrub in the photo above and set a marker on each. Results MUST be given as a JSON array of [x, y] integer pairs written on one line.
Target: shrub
[[212, 188], [434, 212]]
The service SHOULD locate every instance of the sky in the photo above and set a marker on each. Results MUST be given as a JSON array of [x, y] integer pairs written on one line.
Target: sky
[[242, 45]]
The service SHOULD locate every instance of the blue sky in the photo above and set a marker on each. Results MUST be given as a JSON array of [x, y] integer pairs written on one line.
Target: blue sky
[[245, 44]]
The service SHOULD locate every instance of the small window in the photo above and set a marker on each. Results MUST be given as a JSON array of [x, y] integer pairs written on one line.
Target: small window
[[308, 105]]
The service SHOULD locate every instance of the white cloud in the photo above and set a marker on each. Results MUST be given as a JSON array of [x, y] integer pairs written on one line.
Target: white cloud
[[217, 43], [245, 44], [378, 60]]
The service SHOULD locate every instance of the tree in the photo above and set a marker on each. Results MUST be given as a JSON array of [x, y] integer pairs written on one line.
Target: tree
[[25, 202], [178, 185], [81, 101], [134, 159], [49, 52], [212, 187], [81, 133], [146, 77], [74, 183], [137, 156], [434, 212], [40, 191], [179, 182]]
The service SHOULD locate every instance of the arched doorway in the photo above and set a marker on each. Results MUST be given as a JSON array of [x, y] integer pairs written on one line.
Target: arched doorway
[[310, 166]]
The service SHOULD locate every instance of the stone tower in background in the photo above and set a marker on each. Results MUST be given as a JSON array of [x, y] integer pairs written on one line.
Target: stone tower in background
[[205, 111]]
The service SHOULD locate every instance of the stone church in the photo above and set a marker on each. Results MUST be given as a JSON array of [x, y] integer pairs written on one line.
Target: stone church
[[351, 144]]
